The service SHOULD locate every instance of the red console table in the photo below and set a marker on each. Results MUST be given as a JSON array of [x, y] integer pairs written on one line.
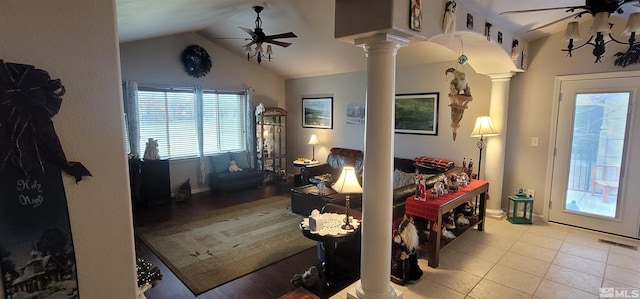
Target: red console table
[[432, 209]]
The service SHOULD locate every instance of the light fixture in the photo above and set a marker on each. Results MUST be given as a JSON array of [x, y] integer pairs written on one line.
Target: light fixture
[[313, 141], [258, 37], [601, 34], [483, 128], [259, 52], [347, 184]]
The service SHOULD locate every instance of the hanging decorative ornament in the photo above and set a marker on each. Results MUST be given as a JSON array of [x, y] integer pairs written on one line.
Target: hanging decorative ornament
[[460, 92], [460, 96], [463, 59]]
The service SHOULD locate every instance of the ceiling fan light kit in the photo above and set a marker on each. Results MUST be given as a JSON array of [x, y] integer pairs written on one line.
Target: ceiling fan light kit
[[601, 29], [258, 37]]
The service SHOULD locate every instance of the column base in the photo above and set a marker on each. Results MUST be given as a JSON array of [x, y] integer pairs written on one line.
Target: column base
[[356, 292], [496, 214]]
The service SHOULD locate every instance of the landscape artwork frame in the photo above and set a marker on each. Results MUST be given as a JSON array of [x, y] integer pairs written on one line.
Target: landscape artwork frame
[[417, 113], [317, 112], [355, 114]]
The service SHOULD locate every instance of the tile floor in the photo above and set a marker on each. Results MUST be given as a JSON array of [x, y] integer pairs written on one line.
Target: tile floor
[[543, 260]]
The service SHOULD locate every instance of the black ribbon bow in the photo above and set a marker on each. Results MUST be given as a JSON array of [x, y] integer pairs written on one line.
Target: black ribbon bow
[[28, 100]]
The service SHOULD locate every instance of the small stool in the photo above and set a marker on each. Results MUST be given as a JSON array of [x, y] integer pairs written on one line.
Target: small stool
[[527, 208]]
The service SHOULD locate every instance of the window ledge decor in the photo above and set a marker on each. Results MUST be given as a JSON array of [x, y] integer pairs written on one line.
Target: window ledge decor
[[196, 60]]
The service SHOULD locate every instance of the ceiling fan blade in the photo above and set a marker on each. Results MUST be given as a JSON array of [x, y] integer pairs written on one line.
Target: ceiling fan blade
[[247, 30], [278, 43], [249, 44], [282, 35], [554, 22], [539, 9]]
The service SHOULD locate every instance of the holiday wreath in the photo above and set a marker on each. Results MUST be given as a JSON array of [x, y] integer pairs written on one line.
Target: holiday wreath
[[196, 60]]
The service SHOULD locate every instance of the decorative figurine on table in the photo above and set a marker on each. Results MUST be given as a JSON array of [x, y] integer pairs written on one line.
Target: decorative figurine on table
[[421, 188], [463, 179], [439, 188]]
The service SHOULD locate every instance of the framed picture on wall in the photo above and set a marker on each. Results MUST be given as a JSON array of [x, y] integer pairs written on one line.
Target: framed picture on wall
[[355, 114], [317, 112], [417, 113]]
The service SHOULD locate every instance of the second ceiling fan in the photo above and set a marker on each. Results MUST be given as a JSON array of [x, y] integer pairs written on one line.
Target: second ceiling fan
[[591, 7]]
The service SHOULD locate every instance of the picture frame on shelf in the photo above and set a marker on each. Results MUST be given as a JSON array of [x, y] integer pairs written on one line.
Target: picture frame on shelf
[[317, 112], [417, 113]]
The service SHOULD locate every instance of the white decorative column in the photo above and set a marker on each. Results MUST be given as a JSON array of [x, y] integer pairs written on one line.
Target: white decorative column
[[494, 160], [377, 186]]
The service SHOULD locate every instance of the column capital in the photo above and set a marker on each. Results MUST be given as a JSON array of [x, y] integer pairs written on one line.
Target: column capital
[[506, 76], [383, 41]]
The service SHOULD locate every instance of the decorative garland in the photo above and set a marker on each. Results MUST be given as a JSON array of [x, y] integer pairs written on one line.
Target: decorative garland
[[196, 60]]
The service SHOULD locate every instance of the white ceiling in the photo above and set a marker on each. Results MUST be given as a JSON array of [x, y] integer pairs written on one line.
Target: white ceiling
[[314, 51]]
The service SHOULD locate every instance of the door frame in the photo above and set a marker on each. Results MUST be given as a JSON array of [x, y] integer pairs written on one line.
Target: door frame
[[557, 96]]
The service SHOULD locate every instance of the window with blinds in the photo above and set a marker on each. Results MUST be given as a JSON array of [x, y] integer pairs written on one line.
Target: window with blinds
[[170, 117], [223, 122]]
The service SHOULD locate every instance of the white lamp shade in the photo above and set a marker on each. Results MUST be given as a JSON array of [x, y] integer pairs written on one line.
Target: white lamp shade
[[633, 25], [269, 50], [347, 182], [572, 32], [483, 127], [314, 139], [259, 47], [601, 23]]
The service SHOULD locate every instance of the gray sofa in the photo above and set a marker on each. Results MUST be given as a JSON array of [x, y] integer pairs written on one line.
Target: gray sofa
[[222, 180]]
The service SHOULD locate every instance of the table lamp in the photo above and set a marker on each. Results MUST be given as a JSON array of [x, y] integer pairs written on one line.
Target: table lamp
[[347, 183], [483, 128], [313, 141]]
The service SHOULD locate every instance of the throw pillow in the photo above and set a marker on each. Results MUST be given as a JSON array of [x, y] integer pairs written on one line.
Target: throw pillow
[[401, 179], [220, 163], [241, 158]]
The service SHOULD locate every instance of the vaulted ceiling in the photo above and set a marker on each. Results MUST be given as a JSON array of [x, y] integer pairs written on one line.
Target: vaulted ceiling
[[314, 51]]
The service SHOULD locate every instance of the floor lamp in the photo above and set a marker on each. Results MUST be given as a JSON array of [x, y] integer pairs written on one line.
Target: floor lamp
[[313, 141], [483, 128]]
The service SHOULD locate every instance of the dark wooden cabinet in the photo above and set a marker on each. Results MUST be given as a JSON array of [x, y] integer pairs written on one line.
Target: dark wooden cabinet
[[150, 183]]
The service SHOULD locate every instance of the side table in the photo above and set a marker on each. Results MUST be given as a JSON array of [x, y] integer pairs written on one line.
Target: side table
[[329, 236]]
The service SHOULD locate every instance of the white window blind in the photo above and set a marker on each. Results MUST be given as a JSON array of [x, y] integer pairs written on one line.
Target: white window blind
[[223, 122], [170, 117]]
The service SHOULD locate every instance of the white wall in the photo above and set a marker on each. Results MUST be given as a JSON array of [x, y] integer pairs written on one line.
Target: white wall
[[75, 41], [157, 61], [350, 88], [530, 106]]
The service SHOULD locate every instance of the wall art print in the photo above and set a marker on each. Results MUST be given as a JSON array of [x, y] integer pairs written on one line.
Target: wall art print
[[417, 113], [37, 257], [415, 15], [317, 112], [355, 114]]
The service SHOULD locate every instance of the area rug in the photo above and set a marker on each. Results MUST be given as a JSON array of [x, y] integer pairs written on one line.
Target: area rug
[[227, 243]]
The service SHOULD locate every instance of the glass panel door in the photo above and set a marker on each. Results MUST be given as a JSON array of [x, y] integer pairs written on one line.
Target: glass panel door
[[595, 130], [599, 127]]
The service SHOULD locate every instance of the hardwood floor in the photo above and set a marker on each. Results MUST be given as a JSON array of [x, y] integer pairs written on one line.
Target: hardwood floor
[[269, 282]]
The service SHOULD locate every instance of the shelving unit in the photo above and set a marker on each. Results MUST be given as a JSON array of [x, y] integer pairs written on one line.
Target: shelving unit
[[271, 133]]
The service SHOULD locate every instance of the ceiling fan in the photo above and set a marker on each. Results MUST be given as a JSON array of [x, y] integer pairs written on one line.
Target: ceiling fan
[[258, 37], [591, 7]]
